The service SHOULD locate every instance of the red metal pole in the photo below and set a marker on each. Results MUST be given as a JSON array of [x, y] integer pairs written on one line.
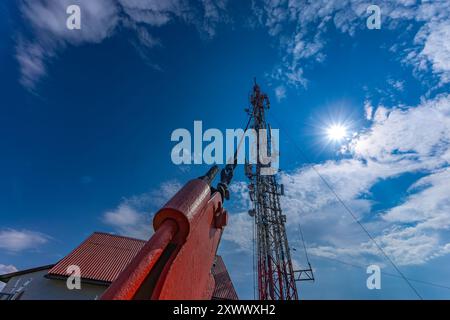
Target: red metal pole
[[132, 278], [176, 262]]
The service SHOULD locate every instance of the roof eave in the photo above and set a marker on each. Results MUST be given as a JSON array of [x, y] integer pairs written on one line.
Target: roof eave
[[5, 277]]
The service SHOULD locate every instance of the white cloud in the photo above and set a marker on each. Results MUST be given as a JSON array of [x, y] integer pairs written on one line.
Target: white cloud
[[50, 34], [204, 14], [17, 240], [239, 231], [428, 205], [241, 197], [406, 245], [368, 110], [4, 269], [166, 190], [380, 114], [400, 140], [133, 215], [435, 52], [154, 13], [397, 84], [415, 137], [99, 20], [300, 29], [31, 58], [280, 92], [129, 222]]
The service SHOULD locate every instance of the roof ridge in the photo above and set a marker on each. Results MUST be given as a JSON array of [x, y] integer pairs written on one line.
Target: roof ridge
[[117, 236], [102, 256]]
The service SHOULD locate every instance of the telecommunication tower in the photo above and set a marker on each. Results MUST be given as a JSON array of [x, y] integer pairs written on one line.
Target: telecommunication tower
[[276, 278]]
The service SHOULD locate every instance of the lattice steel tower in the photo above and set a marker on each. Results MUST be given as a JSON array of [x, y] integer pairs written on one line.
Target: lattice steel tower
[[272, 258]]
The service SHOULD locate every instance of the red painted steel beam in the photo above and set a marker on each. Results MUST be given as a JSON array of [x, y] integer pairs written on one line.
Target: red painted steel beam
[[132, 278], [176, 262], [189, 276]]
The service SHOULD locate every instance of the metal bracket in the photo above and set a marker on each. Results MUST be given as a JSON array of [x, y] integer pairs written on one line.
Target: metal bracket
[[304, 274]]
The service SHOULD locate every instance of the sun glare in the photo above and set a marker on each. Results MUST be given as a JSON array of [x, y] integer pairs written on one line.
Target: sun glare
[[336, 132]]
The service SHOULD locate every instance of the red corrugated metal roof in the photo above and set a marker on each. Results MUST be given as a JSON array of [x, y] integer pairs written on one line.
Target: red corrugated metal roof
[[101, 257], [224, 289]]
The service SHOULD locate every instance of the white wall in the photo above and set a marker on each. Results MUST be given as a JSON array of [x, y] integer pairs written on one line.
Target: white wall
[[41, 288]]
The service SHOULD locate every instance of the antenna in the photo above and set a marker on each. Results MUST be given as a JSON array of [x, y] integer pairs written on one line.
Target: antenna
[[275, 273]]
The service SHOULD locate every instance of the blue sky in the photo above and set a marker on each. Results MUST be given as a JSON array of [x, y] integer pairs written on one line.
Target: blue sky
[[86, 117]]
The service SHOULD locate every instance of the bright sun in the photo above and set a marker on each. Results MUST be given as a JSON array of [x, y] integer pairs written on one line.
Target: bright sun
[[336, 132]]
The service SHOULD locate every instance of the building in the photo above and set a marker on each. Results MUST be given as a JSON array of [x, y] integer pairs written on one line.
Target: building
[[101, 257]]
